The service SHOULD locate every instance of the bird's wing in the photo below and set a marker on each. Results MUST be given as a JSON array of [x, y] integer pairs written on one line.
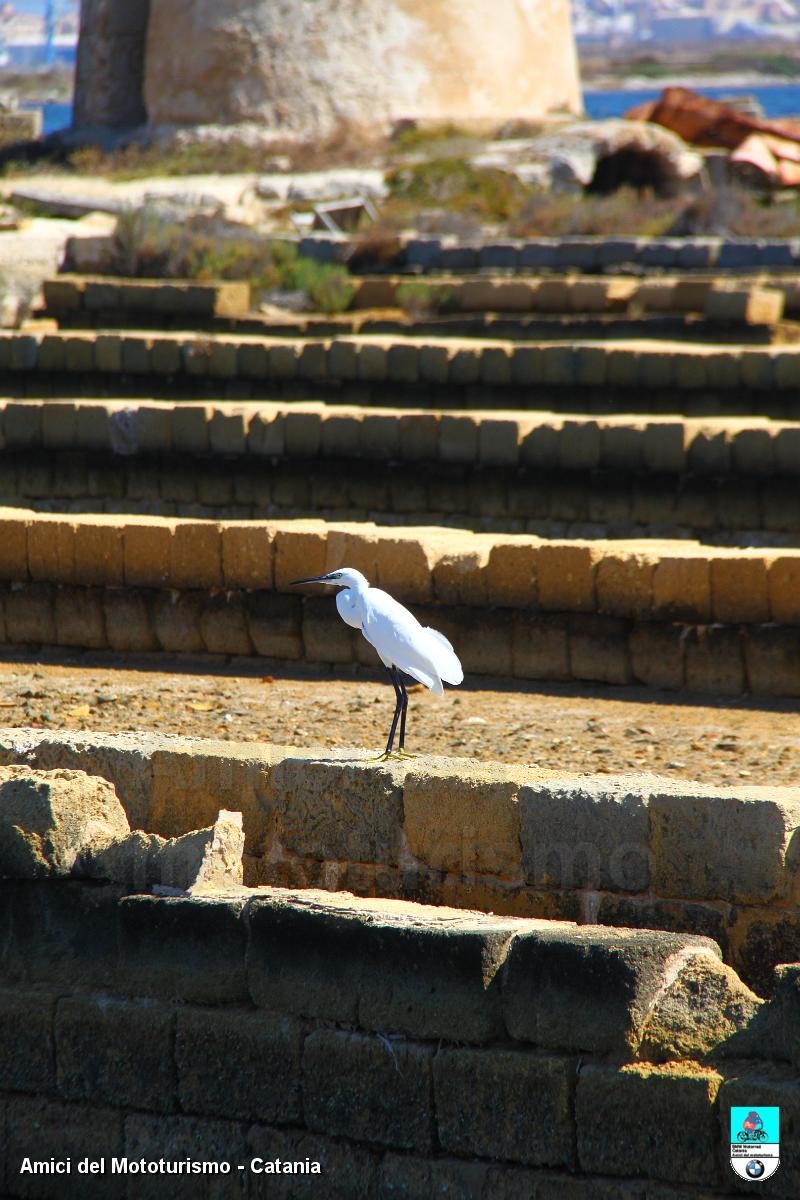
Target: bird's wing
[[447, 661], [399, 638]]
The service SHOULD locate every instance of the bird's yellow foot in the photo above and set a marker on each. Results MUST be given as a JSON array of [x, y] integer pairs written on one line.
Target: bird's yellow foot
[[404, 754], [387, 754]]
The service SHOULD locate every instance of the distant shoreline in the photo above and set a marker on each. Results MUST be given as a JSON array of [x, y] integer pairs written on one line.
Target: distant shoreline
[[641, 83]]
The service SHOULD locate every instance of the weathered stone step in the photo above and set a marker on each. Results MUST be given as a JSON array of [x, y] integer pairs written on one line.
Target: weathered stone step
[[669, 614], [523, 841], [664, 376]]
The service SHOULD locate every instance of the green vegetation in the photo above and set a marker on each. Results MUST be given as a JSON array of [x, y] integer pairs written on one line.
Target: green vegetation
[[205, 250], [419, 298], [454, 183]]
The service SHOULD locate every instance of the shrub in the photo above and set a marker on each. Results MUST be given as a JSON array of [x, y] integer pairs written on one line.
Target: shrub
[[486, 192], [419, 298]]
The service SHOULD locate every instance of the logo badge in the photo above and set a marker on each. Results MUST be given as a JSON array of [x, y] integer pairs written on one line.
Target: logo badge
[[755, 1142]]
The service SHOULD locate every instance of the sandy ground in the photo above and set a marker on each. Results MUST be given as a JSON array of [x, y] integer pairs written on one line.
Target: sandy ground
[[562, 727]]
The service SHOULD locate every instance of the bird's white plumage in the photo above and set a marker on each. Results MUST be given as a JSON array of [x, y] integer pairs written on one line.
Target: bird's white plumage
[[399, 638]]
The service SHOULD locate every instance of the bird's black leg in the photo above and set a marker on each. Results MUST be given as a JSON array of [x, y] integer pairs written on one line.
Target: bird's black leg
[[404, 694], [398, 708]]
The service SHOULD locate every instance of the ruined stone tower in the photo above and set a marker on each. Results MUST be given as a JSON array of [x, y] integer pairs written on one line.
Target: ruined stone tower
[[303, 66]]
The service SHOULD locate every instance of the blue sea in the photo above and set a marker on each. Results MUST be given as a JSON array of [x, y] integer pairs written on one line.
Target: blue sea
[[777, 100], [54, 116]]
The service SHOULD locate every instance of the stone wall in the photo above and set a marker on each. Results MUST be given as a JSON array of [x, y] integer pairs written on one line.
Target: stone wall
[[375, 1038], [522, 841]]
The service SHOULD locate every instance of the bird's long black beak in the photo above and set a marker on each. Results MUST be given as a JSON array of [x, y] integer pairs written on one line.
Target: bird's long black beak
[[316, 579]]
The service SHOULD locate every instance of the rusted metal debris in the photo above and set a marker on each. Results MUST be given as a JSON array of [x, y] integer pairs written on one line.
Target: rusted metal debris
[[768, 151]]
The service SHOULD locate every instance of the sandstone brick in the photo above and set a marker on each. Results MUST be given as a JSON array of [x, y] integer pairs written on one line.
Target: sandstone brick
[[739, 589], [147, 546], [539, 647], [326, 639], [624, 584], [227, 431], [62, 1131], [165, 356], [495, 366], [283, 360], [657, 1106], [498, 442], [108, 353], [27, 1057], [356, 1086], [527, 365], [566, 577], [312, 362], [300, 552], [23, 352], [402, 362], [380, 436], [458, 439], [772, 660], [708, 448], [14, 534], [511, 573], [253, 361], [238, 1064], [51, 549], [266, 436], [349, 1170], [190, 428], [460, 577], [343, 360], [98, 550], [176, 622], [223, 625], [488, 648], [786, 448], [598, 649], [222, 359], [467, 825], [373, 362], [579, 445], [434, 363], [117, 1052], [558, 365], [664, 448], [656, 652], [757, 370], [247, 552], [682, 589], [302, 433], [408, 1177], [523, 1091], [274, 624], [59, 425], [783, 582], [79, 618], [697, 834], [129, 626], [30, 615], [196, 554], [657, 369], [93, 427], [714, 661], [22, 424], [177, 1138], [403, 566]]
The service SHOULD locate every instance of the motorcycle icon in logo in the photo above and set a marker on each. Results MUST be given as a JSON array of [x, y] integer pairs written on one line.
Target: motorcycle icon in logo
[[755, 1142]]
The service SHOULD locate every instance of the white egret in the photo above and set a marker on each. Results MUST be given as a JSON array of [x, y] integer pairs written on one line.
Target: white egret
[[401, 642]]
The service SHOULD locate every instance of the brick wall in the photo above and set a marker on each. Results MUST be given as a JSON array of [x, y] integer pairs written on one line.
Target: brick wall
[[411, 1051]]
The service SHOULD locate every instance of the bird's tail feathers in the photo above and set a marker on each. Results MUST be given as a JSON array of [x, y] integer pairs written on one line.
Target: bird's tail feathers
[[432, 682], [447, 661]]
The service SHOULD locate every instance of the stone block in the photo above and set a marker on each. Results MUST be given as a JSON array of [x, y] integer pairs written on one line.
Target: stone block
[[60, 1132], [521, 1090], [757, 370], [434, 363], [326, 638], [403, 566], [495, 365], [253, 361], [341, 811], [302, 433], [783, 581], [179, 1138], [579, 445], [511, 573], [590, 366], [598, 649], [760, 939], [93, 427], [657, 1107], [772, 660], [682, 589], [27, 1058], [182, 950], [196, 555], [624, 584], [460, 577], [368, 1089], [283, 360], [464, 367], [146, 545], [274, 625], [458, 439], [527, 365], [739, 588], [664, 446], [558, 365], [623, 368], [23, 352], [714, 661], [50, 549], [79, 617], [744, 306], [657, 369], [373, 362], [22, 424], [227, 431], [108, 353], [59, 425], [247, 552], [129, 626], [407, 1177], [223, 625], [402, 363], [697, 836], [14, 534], [723, 369], [785, 442], [300, 552], [115, 1052], [238, 1064], [656, 652], [312, 362], [588, 989], [176, 622], [380, 436], [30, 615], [690, 371], [539, 647], [708, 449], [588, 836], [98, 550], [78, 354], [566, 577], [467, 824], [336, 958]]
